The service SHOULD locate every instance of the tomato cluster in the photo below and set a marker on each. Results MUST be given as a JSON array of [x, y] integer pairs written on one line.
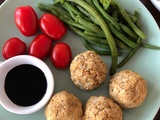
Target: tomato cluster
[[41, 46]]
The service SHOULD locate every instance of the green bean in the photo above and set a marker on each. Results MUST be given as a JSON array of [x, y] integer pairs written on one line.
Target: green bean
[[107, 16], [150, 46], [128, 31], [67, 19], [64, 18], [129, 21], [61, 10], [50, 8], [95, 39], [72, 14], [87, 14], [115, 14], [91, 33], [75, 10], [89, 25], [112, 6], [43, 7], [90, 3], [100, 52], [103, 46], [62, 1], [87, 45], [75, 24], [130, 54], [133, 18], [121, 44], [122, 37], [86, 24], [137, 21], [105, 4]]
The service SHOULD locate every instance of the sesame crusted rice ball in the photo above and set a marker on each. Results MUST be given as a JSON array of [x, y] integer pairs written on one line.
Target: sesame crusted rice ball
[[102, 108], [64, 106], [87, 70], [128, 89]]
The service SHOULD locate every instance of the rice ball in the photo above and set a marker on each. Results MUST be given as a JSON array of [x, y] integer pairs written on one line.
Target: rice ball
[[64, 106], [102, 108], [128, 89], [88, 71]]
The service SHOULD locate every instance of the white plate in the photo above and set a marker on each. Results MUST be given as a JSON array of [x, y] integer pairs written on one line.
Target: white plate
[[156, 3], [146, 61]]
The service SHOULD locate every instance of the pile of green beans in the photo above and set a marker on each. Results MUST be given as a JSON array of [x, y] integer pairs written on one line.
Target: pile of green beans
[[104, 26]]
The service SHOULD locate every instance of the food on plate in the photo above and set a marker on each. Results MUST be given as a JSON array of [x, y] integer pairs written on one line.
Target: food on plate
[[26, 20], [61, 55], [102, 108], [52, 26], [128, 88], [88, 71], [41, 46], [64, 106], [104, 26], [12, 47], [101, 24]]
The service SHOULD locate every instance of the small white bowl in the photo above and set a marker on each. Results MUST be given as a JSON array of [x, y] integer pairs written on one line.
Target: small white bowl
[[7, 65]]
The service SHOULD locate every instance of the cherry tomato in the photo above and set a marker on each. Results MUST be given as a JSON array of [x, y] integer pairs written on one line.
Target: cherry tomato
[[52, 26], [41, 46], [26, 20], [61, 55], [12, 47]]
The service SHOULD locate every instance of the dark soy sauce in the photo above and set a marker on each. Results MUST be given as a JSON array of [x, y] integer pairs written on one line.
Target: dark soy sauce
[[25, 85]]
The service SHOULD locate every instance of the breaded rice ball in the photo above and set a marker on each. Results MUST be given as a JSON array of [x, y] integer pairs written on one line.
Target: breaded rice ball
[[128, 89], [88, 70], [102, 108], [64, 106]]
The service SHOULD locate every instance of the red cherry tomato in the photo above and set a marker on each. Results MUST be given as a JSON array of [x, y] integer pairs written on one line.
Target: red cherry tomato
[[61, 55], [52, 26], [41, 46], [26, 20], [12, 47]]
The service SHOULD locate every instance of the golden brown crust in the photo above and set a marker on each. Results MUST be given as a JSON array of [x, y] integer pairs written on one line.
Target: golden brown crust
[[128, 89], [64, 106], [88, 70], [102, 108]]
